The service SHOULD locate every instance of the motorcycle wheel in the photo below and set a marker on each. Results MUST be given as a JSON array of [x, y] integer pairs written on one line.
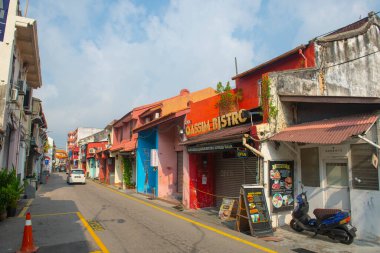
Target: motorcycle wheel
[[294, 226], [348, 240]]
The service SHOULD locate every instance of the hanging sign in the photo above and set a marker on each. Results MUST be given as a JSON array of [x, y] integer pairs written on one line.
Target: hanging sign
[[4, 5], [153, 158], [241, 153], [281, 185]]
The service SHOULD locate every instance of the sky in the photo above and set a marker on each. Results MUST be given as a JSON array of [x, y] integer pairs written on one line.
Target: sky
[[102, 58]]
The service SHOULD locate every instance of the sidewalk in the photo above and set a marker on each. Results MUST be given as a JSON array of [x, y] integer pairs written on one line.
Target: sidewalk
[[299, 242]]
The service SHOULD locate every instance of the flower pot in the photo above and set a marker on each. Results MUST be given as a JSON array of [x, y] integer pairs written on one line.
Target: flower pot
[[11, 211], [3, 215]]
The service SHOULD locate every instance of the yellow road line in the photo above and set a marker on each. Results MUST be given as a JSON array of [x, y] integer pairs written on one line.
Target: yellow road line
[[23, 211], [96, 251], [257, 246], [92, 233]]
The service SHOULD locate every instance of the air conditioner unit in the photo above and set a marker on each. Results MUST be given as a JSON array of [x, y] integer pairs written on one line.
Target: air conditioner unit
[[14, 95], [91, 151]]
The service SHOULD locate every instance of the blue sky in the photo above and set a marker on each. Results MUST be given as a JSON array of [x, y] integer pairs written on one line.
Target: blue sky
[[101, 58]]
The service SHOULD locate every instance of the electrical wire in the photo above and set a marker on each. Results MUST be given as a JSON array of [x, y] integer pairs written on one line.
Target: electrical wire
[[351, 60]]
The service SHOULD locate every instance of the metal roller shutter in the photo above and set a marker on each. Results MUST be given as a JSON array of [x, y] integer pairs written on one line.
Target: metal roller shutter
[[231, 173]]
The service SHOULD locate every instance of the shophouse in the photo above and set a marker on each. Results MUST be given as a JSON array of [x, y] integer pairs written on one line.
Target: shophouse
[[20, 74], [220, 158], [123, 148], [38, 138], [159, 155], [88, 147], [327, 126], [73, 147], [104, 161]]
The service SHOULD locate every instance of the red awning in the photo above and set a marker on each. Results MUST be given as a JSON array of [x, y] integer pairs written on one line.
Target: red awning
[[124, 146], [329, 131]]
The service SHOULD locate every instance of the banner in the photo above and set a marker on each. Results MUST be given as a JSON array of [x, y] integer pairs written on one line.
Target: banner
[[4, 5]]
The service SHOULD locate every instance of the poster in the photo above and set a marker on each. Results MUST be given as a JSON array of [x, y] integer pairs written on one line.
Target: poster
[[226, 208], [281, 178]]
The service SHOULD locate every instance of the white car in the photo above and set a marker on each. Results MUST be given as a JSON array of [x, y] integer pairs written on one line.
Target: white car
[[76, 176]]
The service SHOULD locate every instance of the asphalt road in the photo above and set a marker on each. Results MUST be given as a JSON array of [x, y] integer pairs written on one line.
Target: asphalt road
[[121, 223]]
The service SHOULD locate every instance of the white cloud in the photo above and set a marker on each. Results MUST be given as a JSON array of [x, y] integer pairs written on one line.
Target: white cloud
[[106, 57]]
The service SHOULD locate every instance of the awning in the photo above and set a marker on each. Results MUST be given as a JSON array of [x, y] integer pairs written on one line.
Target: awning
[[27, 41], [329, 131], [219, 135], [124, 146], [161, 120]]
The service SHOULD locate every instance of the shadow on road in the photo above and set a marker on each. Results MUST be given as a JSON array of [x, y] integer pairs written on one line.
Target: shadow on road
[[56, 225]]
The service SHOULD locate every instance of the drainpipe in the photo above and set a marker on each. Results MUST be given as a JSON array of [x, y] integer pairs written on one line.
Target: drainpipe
[[258, 154], [300, 52], [368, 141]]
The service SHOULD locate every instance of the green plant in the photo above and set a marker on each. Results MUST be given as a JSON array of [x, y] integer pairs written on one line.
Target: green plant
[[3, 199], [228, 98], [127, 172], [270, 110], [10, 189], [14, 189]]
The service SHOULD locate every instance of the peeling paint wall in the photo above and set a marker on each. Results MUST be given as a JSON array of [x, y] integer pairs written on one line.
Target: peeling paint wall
[[358, 72]]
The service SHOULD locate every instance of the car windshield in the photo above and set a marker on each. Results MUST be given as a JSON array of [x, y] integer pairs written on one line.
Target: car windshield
[[77, 172]]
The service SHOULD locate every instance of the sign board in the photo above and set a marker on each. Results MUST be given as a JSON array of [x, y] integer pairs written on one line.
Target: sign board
[[241, 153], [210, 148], [4, 5], [153, 158], [253, 211], [227, 120], [226, 208], [334, 151], [46, 161], [281, 178]]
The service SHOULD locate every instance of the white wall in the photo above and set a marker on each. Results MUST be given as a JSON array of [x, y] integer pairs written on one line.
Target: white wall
[[365, 214], [118, 169]]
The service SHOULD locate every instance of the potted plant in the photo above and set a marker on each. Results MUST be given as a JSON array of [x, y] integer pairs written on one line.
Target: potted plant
[[3, 204], [4, 180], [13, 191]]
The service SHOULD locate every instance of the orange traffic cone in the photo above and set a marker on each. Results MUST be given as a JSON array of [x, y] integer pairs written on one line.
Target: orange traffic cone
[[27, 242]]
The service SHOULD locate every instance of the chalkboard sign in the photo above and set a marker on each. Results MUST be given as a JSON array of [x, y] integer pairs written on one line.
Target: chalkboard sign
[[281, 178], [253, 211]]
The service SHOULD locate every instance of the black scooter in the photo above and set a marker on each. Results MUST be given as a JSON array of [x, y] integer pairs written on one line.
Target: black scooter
[[333, 223]]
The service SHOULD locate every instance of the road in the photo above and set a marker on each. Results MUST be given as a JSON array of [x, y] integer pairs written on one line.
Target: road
[[123, 223]]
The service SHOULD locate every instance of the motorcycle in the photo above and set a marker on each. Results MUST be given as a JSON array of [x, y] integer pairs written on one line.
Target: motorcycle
[[333, 223]]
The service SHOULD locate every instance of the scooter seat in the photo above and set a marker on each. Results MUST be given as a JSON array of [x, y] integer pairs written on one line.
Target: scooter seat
[[322, 214]]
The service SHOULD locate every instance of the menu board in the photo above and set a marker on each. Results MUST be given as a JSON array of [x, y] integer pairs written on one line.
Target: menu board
[[257, 210], [281, 178], [226, 208]]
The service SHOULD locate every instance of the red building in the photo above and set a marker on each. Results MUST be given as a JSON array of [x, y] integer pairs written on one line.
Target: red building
[[219, 163]]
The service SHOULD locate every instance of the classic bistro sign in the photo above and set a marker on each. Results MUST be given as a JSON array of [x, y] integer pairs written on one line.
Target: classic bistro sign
[[217, 123]]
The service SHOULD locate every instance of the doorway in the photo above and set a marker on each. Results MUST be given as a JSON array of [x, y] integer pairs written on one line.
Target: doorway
[[336, 185]]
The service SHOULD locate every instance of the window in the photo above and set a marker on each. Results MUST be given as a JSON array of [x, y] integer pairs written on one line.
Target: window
[[364, 175], [310, 167], [336, 174]]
